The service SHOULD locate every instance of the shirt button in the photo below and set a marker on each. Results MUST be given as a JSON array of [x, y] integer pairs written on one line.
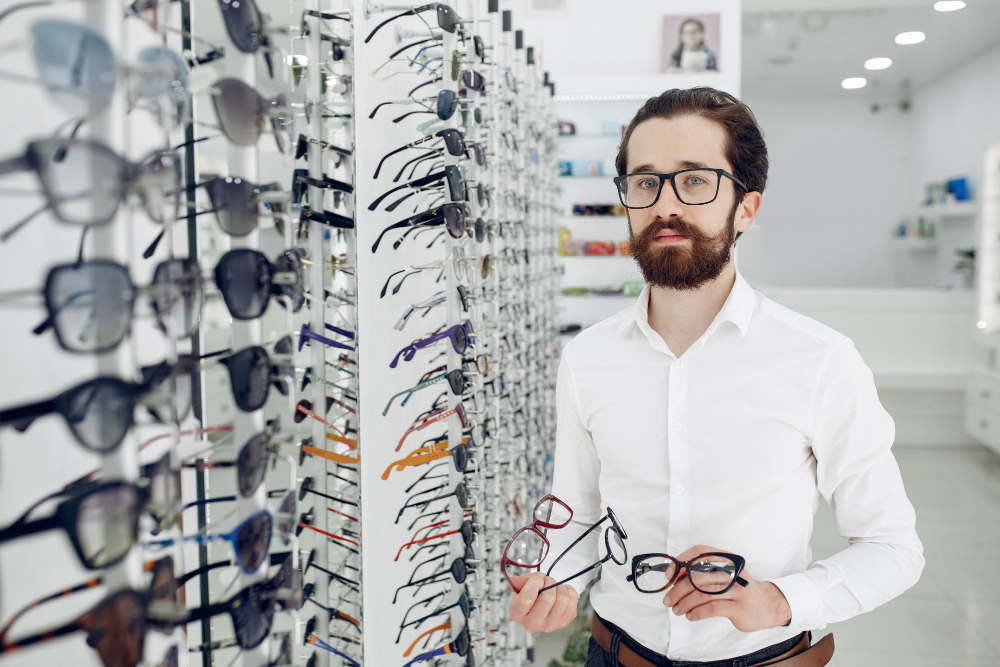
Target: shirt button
[[680, 364], [677, 426], [679, 489], [675, 549]]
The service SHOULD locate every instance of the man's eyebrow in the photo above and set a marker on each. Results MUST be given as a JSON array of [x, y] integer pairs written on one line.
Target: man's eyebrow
[[683, 164]]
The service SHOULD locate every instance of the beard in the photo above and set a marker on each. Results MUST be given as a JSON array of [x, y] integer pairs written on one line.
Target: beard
[[679, 267]]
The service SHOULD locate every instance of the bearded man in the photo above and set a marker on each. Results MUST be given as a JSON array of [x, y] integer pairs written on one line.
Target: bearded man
[[712, 420]]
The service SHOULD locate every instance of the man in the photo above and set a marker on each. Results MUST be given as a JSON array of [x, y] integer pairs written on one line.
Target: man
[[711, 419]]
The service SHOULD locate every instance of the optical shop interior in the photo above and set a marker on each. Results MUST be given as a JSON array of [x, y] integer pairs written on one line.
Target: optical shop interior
[[566, 333]]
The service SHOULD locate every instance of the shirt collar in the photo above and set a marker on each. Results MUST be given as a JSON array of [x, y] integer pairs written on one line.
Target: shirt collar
[[738, 308]]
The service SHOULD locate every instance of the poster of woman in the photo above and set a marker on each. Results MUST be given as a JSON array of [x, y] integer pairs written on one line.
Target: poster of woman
[[690, 43]]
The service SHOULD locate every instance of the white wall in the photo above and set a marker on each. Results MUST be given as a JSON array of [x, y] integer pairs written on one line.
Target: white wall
[[838, 182]]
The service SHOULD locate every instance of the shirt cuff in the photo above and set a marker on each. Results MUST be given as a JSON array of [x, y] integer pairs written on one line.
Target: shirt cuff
[[803, 599], [569, 565]]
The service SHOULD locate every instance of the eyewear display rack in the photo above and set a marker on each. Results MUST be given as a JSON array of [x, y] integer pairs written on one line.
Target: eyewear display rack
[[261, 108], [440, 502]]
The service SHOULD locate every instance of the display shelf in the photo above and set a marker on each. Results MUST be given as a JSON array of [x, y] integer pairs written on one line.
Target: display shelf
[[590, 135], [916, 243], [950, 211]]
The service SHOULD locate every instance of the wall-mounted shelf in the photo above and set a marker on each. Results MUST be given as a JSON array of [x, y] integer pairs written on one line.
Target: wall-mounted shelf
[[916, 243], [587, 176], [952, 211], [591, 135]]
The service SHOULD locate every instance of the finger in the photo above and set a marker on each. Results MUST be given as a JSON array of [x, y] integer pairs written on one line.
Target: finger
[[522, 602], [681, 588], [570, 612], [723, 608], [690, 601], [536, 616], [556, 612]]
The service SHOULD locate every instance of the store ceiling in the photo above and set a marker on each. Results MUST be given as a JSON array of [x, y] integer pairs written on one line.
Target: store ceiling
[[809, 52]]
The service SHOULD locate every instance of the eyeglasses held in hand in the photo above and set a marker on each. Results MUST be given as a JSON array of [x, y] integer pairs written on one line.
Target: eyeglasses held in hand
[[711, 573], [528, 547], [84, 181], [694, 187], [614, 543]]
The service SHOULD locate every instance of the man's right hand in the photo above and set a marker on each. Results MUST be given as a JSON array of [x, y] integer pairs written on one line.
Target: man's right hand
[[552, 610]]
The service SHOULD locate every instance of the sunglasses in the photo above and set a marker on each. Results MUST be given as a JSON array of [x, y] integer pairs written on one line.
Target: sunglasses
[[452, 216], [101, 520], [458, 570], [250, 541], [460, 646], [456, 379], [242, 111], [447, 19], [251, 372], [445, 105], [84, 182], [100, 412], [461, 337], [461, 494], [452, 140], [451, 174]]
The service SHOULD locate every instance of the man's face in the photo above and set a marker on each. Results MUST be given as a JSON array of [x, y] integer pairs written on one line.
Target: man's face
[[678, 245]]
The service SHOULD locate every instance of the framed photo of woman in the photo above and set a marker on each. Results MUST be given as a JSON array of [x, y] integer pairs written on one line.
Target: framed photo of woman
[[691, 43]]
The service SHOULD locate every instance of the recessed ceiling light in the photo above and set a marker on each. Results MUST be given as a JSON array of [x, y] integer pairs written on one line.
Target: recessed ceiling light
[[910, 37], [948, 5], [878, 63], [854, 82]]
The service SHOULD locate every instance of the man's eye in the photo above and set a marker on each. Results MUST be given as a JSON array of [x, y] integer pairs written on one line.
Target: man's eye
[[647, 183], [695, 180]]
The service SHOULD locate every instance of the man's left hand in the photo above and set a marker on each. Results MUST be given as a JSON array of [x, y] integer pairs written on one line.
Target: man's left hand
[[758, 606]]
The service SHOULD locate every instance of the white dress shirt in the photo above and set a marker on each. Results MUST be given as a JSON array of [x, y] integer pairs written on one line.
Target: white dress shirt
[[731, 446]]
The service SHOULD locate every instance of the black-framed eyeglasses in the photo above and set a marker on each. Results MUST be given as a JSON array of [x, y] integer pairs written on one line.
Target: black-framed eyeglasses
[[710, 573], [614, 542], [451, 174], [697, 186]]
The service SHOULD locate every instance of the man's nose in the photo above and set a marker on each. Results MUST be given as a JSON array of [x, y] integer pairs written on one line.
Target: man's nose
[[668, 205]]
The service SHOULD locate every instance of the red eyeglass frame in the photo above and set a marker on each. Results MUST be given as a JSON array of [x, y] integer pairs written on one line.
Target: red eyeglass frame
[[533, 528]]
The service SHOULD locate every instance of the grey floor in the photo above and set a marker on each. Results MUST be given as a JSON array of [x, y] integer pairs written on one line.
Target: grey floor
[[951, 617]]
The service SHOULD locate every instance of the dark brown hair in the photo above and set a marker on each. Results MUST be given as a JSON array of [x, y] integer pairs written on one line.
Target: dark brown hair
[[745, 148]]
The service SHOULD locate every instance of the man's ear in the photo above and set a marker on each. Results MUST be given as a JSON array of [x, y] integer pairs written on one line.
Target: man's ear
[[746, 212]]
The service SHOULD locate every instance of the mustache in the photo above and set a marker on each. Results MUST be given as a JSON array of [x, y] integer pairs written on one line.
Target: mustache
[[674, 224]]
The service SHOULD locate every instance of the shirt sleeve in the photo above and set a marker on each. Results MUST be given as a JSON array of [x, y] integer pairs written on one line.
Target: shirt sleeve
[[857, 475], [575, 482]]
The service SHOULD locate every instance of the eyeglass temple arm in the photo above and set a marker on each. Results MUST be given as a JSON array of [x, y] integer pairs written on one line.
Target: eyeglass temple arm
[[575, 542], [386, 157], [395, 225], [22, 529], [420, 182], [27, 412], [316, 641], [188, 576]]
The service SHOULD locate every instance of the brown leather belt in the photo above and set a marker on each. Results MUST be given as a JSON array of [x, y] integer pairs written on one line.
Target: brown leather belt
[[801, 655]]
